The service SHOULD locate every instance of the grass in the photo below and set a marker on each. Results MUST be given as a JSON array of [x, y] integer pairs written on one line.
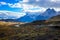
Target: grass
[[9, 32]]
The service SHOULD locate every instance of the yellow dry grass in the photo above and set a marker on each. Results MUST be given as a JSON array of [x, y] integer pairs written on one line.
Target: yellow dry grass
[[2, 23]]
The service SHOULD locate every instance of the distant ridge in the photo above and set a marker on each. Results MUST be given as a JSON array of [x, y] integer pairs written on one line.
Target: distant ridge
[[29, 17]]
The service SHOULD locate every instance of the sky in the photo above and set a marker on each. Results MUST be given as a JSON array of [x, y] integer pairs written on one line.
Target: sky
[[23, 6]]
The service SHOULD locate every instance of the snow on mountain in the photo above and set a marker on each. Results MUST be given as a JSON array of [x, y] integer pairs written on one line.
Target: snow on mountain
[[11, 15], [49, 12], [29, 17]]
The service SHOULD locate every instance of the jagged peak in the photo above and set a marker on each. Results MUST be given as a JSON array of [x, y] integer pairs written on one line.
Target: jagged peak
[[50, 10]]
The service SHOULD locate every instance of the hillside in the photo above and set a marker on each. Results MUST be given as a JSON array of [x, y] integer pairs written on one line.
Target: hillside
[[55, 18], [28, 32]]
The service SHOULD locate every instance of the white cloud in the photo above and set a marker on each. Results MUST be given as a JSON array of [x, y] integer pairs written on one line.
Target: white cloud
[[55, 0], [32, 8], [14, 14], [37, 0], [27, 7], [57, 9], [16, 5], [3, 3], [25, 0]]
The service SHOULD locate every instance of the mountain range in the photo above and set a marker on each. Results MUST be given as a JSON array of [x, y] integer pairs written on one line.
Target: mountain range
[[29, 17]]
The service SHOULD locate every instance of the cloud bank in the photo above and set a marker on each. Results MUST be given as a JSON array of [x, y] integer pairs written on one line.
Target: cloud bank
[[34, 5], [14, 15]]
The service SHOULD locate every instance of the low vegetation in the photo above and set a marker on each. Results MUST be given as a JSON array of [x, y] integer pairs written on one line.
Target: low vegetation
[[8, 31]]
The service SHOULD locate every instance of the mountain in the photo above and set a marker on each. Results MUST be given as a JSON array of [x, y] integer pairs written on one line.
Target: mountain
[[29, 17], [46, 15], [49, 13], [58, 13], [25, 19], [8, 20], [40, 17]]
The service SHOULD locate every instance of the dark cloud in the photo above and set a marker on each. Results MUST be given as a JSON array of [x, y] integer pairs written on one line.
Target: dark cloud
[[45, 3]]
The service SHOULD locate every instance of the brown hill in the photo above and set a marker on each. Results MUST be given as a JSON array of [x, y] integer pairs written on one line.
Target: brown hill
[[55, 18]]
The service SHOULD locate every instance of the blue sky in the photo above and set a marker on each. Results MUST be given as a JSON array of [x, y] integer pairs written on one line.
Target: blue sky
[[10, 1], [4, 5], [29, 5]]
